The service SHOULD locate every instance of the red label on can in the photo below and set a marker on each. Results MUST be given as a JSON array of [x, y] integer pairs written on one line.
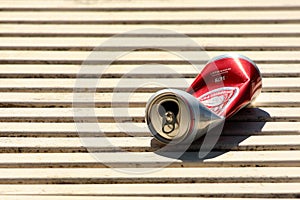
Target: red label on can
[[219, 99]]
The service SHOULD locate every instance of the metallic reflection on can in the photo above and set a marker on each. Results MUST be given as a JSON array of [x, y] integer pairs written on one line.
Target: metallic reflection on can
[[226, 84]]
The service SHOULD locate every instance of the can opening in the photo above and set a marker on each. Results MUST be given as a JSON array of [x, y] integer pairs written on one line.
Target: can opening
[[168, 110]]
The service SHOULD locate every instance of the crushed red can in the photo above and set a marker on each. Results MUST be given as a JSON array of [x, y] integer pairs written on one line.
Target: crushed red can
[[226, 84]]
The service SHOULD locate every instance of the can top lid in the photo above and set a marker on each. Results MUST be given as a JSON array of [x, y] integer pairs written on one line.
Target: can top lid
[[168, 117]]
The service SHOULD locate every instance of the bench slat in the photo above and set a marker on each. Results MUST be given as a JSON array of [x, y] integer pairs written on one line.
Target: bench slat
[[132, 114], [208, 30], [117, 71], [126, 85], [77, 57], [169, 175], [22, 99], [153, 17], [208, 43], [138, 129], [80, 197], [57, 4], [287, 190], [142, 144], [150, 159]]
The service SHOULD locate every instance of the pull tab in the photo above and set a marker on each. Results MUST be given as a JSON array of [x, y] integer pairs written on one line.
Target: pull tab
[[169, 122]]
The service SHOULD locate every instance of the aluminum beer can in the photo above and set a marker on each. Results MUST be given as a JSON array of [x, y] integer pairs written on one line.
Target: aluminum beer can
[[226, 84]]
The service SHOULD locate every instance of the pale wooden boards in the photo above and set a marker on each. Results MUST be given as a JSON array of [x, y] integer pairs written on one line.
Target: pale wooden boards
[[80, 197], [117, 114], [138, 57], [31, 129], [158, 159], [207, 30], [137, 4], [130, 71], [138, 129], [42, 46], [208, 43], [125, 85], [27, 99], [193, 190], [142, 144], [168, 175], [142, 55], [151, 17]]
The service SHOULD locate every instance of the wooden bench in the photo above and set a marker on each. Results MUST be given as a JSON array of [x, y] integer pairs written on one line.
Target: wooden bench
[[42, 47]]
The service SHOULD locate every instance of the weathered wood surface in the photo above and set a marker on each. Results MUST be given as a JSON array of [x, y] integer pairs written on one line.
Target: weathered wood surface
[[42, 47]]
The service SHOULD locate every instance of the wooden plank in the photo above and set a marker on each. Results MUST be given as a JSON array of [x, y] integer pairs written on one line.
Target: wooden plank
[[152, 17], [142, 144], [208, 30], [208, 43], [70, 130], [117, 71], [200, 190], [125, 85], [286, 190], [166, 175], [139, 57], [151, 159], [16, 129], [131, 114], [80, 197], [277, 99], [115, 5], [22, 99]]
